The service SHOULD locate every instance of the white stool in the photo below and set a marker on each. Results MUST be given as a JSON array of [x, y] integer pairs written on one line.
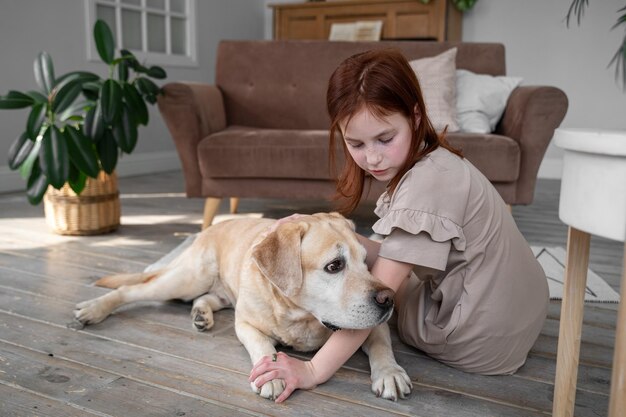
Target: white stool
[[593, 201]]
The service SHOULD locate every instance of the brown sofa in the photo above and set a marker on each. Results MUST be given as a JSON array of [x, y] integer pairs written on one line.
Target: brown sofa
[[261, 130]]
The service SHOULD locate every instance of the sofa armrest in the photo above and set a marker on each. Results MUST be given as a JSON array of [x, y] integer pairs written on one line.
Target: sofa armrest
[[531, 116], [191, 111]]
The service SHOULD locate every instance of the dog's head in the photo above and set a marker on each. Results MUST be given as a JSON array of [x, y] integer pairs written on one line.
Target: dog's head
[[317, 262]]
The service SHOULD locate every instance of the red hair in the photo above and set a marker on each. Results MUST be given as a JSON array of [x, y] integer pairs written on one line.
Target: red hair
[[383, 82]]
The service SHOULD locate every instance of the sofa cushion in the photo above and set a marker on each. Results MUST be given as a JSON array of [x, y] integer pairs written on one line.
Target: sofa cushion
[[496, 156], [243, 152]]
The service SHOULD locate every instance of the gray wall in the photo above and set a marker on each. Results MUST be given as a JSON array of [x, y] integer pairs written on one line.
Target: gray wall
[[539, 48], [58, 27]]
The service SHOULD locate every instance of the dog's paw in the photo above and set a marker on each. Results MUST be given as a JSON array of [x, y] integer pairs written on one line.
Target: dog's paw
[[270, 390], [202, 318], [90, 312], [391, 382]]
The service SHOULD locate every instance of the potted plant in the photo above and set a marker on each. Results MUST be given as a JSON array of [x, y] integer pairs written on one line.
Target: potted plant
[[78, 125]]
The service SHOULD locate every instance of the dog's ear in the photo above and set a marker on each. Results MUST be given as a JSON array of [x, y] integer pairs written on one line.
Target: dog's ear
[[278, 256], [333, 215]]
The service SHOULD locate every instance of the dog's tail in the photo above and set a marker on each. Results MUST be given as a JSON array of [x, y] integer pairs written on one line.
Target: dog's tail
[[116, 281]]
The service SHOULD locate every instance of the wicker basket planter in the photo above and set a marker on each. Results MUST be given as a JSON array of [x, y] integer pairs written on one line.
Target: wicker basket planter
[[95, 211]]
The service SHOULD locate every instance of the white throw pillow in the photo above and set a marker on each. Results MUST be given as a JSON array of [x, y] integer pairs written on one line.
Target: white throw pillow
[[437, 77], [481, 100]]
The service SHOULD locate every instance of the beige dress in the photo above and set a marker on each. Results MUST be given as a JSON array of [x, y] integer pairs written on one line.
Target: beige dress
[[484, 309]]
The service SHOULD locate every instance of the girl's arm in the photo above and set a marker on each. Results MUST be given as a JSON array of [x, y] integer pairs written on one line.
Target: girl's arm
[[335, 352], [372, 247]]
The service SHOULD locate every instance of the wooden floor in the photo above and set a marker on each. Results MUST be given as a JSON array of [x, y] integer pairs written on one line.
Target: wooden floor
[[147, 360]]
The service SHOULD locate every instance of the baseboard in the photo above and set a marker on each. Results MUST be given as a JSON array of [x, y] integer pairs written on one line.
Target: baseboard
[[551, 168], [128, 166]]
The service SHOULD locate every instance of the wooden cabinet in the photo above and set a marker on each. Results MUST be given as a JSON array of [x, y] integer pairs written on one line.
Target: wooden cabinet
[[407, 19]]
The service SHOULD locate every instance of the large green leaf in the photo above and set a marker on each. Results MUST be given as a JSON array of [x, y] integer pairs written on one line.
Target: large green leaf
[[91, 90], [31, 160], [93, 127], [82, 152], [140, 68], [107, 151], [35, 120], [125, 131], [54, 157], [130, 59], [77, 179], [105, 44], [70, 85], [156, 72], [82, 76], [19, 150], [38, 97], [136, 103], [122, 70], [111, 101], [66, 95], [44, 72], [74, 112], [16, 100], [37, 185], [147, 87]]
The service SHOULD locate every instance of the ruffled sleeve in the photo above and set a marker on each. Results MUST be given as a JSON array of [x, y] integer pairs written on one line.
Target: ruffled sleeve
[[440, 229]]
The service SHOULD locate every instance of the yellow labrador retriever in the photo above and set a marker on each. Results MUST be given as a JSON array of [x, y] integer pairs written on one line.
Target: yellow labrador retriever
[[291, 286]]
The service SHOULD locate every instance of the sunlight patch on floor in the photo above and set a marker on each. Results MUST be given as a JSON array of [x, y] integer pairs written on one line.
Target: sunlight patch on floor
[[223, 217], [155, 219]]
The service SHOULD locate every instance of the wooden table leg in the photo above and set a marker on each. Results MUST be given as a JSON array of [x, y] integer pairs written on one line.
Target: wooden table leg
[[570, 329], [617, 402]]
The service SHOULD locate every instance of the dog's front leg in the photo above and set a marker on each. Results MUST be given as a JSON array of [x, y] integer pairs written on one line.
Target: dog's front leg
[[258, 345], [389, 380]]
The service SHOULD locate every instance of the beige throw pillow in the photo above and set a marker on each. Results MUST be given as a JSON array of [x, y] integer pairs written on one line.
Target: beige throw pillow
[[437, 77]]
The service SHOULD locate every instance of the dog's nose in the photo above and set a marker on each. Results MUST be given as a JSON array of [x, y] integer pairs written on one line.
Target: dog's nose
[[384, 298]]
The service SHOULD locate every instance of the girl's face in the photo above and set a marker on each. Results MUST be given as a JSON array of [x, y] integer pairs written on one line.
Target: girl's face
[[378, 145]]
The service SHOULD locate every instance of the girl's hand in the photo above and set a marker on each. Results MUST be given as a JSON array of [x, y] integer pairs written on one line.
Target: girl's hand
[[295, 373]]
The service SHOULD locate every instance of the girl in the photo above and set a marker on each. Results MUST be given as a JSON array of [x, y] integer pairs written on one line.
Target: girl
[[469, 291]]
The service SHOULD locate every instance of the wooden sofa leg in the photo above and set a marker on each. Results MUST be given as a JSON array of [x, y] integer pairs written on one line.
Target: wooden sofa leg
[[234, 204], [210, 208]]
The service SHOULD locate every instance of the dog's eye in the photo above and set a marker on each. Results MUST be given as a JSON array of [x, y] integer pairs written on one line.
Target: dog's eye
[[335, 266]]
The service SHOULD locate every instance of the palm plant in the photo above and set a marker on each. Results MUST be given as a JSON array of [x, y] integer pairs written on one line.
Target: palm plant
[[79, 123], [619, 58]]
